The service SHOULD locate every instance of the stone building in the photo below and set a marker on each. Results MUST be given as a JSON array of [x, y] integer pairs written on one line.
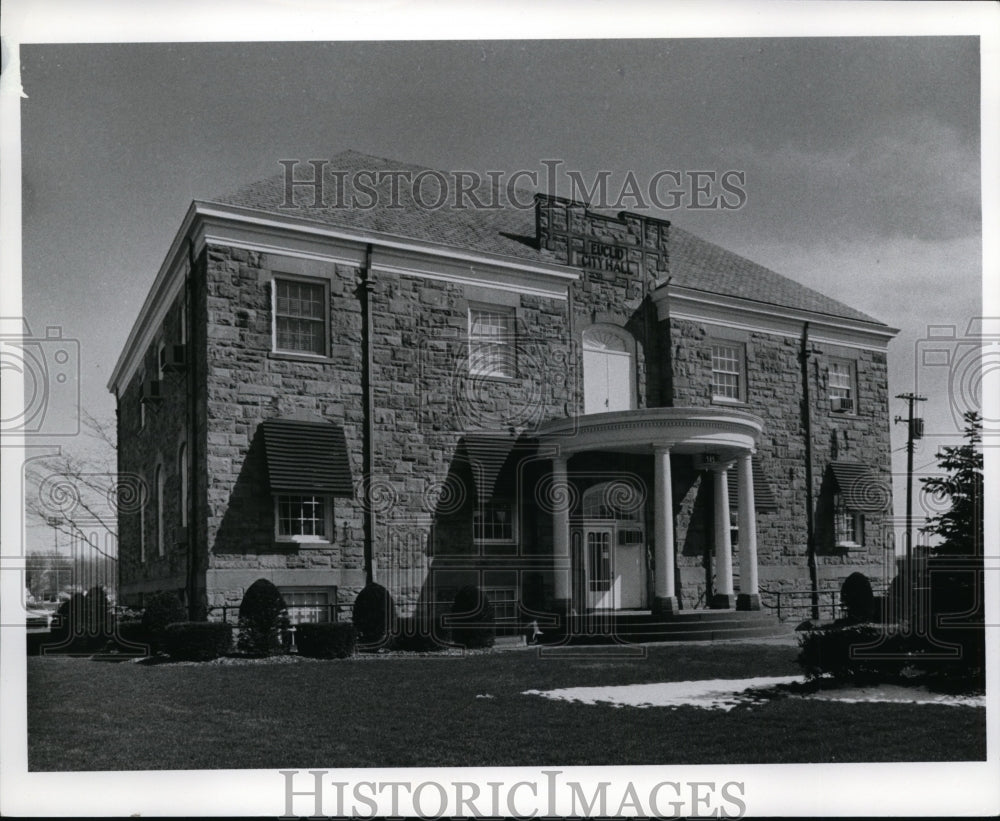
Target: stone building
[[574, 410]]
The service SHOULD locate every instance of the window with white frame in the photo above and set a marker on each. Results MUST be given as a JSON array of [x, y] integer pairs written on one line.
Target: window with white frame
[[848, 525], [301, 316], [309, 605], [303, 518], [728, 372], [493, 522], [841, 386], [491, 341]]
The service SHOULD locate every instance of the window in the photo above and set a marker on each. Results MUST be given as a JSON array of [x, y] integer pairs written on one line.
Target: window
[[182, 470], [303, 518], [493, 522], [310, 605], [841, 386], [160, 482], [848, 525], [727, 372], [491, 342], [504, 601], [300, 316]]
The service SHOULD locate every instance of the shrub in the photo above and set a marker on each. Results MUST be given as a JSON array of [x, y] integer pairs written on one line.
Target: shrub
[[472, 619], [262, 617], [850, 652], [417, 633], [197, 640], [134, 631], [162, 609], [69, 627], [374, 615], [857, 597], [325, 641], [97, 616]]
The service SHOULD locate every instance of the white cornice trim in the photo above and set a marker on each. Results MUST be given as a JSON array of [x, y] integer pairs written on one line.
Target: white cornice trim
[[212, 224], [748, 315]]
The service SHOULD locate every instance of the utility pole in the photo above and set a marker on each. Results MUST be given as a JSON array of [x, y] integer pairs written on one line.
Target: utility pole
[[914, 431]]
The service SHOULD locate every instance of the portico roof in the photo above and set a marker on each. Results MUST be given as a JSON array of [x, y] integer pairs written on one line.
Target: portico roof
[[724, 432]]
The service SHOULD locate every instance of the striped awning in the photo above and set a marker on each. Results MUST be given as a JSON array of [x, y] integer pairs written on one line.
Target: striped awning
[[859, 487], [763, 494], [307, 457], [488, 455]]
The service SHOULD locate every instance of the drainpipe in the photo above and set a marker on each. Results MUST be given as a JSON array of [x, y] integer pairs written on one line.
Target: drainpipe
[[368, 398], [804, 354]]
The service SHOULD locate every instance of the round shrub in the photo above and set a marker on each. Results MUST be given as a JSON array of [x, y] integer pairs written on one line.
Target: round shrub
[[134, 633], [69, 626], [325, 641], [162, 609], [857, 597], [374, 615], [197, 640], [263, 615], [472, 619]]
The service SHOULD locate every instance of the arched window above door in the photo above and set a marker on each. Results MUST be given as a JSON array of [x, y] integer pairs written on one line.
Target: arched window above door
[[608, 370]]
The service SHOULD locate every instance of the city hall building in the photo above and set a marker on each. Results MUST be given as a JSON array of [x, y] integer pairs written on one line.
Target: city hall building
[[577, 411]]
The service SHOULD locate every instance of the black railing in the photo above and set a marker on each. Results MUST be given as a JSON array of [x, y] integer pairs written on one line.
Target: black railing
[[297, 614], [799, 603]]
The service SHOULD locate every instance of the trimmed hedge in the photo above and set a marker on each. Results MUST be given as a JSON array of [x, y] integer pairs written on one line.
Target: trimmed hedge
[[162, 609], [953, 655], [263, 615], [472, 621], [134, 632], [417, 634], [197, 640], [334, 640], [374, 616]]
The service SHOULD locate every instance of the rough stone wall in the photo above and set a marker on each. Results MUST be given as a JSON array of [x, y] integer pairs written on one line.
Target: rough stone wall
[[246, 384], [774, 392], [142, 447], [425, 400]]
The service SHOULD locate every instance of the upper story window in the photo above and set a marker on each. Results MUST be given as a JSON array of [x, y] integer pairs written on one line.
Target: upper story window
[[728, 372], [491, 342], [301, 316], [840, 383]]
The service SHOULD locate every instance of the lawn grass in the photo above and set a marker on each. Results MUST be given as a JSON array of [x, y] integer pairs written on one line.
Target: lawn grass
[[424, 711]]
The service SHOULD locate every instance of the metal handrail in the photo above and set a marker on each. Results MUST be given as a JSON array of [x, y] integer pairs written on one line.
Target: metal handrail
[[803, 598]]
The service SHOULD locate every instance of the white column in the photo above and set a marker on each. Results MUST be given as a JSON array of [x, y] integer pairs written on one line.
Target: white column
[[749, 598], [663, 533], [560, 497], [723, 594]]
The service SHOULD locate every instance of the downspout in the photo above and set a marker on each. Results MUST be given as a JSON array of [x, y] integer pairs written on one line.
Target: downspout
[[368, 398], [804, 353]]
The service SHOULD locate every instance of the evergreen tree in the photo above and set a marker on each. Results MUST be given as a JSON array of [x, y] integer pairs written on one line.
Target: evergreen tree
[[961, 526]]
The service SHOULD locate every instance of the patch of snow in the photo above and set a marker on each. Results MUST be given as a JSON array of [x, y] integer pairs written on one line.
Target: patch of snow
[[725, 694], [713, 694]]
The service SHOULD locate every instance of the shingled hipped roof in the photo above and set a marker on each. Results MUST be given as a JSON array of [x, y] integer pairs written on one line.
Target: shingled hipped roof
[[508, 230]]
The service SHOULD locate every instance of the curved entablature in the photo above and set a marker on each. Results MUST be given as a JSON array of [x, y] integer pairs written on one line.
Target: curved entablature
[[724, 432]]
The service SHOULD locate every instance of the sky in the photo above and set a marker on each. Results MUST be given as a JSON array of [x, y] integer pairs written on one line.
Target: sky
[[861, 156]]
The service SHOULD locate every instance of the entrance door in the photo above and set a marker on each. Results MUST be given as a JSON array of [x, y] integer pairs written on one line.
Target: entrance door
[[609, 571], [599, 564], [608, 371]]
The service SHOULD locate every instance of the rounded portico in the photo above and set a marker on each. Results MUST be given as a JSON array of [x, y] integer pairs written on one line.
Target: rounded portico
[[593, 565]]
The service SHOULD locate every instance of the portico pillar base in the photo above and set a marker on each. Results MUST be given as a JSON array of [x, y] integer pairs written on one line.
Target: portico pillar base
[[748, 601], [723, 601], [665, 605]]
